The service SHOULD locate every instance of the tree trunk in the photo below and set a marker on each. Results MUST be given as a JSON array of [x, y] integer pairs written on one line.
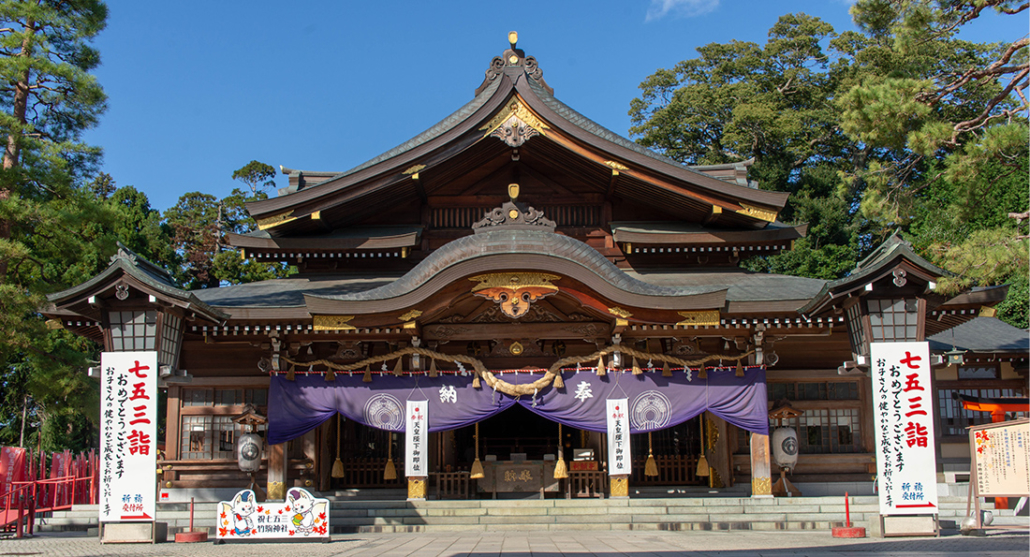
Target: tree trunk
[[11, 152]]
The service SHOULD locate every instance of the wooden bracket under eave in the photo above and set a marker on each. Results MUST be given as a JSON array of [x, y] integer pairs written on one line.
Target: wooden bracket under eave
[[713, 214]]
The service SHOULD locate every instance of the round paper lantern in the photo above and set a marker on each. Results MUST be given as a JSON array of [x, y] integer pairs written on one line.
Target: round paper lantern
[[248, 452], [785, 447]]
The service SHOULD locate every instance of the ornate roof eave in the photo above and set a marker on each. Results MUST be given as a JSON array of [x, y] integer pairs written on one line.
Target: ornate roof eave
[[880, 264], [638, 233], [545, 106], [370, 237], [144, 276], [507, 250], [390, 166], [433, 147]]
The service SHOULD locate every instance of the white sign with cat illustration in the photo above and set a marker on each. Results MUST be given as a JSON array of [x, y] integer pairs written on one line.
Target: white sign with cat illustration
[[300, 516]]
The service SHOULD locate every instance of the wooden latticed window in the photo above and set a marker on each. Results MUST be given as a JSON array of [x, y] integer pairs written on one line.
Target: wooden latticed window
[[894, 320], [206, 423], [133, 330]]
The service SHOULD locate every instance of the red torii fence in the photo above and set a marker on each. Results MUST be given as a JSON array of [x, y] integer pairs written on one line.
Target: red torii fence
[[31, 484]]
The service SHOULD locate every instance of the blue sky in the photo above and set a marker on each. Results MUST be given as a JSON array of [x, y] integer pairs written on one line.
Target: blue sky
[[198, 89]]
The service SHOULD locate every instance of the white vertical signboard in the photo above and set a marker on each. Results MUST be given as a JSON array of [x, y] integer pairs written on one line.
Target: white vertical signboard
[[903, 413], [128, 436], [619, 461], [416, 439]]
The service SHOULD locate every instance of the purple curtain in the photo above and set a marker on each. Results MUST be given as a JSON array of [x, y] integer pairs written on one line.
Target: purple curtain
[[656, 402], [296, 407]]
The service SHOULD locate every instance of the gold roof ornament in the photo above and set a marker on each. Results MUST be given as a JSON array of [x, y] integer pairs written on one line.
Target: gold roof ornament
[[515, 292], [333, 322], [700, 318]]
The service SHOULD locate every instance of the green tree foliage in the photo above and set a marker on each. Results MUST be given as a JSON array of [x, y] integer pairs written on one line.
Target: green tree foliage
[[199, 223], [47, 98], [959, 113], [899, 126], [773, 103]]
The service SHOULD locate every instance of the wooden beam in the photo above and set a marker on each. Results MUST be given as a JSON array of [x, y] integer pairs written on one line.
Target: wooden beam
[[548, 331], [713, 214]]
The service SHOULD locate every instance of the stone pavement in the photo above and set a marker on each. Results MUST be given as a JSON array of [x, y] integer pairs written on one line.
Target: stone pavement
[[548, 544]]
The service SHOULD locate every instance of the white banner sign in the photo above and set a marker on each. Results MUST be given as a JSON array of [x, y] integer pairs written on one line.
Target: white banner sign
[[300, 516], [904, 422], [619, 461], [416, 439], [128, 436]]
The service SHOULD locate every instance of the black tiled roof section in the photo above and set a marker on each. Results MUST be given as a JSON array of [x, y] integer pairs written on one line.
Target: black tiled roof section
[[983, 334], [741, 285], [581, 121], [289, 292], [136, 266], [520, 242], [437, 130]]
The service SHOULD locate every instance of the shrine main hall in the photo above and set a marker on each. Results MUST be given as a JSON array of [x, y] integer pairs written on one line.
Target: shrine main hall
[[515, 267]]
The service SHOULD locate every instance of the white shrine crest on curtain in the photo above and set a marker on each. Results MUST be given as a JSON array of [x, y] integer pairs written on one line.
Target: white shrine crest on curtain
[[383, 411], [650, 410]]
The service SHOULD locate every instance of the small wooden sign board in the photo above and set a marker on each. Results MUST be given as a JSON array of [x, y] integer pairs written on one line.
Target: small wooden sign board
[[301, 517], [999, 464]]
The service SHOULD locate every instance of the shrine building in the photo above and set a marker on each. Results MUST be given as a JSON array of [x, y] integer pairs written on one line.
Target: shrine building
[[515, 266]]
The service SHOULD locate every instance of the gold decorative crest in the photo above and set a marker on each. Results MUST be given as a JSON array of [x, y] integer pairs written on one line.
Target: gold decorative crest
[[616, 166], [758, 213], [333, 322], [514, 281], [619, 312], [275, 220], [413, 314], [414, 169], [515, 292], [704, 317], [515, 109]]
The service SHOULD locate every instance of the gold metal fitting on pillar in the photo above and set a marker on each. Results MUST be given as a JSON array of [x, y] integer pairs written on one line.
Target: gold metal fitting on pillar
[[416, 488], [277, 491], [620, 486]]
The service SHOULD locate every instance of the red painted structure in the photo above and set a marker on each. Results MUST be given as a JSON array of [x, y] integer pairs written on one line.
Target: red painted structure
[[998, 407]]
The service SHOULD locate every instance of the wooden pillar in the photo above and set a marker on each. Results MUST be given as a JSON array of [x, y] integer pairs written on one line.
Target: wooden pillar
[[761, 470], [172, 435], [311, 461], [277, 472]]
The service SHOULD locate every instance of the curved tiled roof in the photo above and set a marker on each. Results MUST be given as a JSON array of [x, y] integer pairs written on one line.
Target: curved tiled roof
[[527, 242]]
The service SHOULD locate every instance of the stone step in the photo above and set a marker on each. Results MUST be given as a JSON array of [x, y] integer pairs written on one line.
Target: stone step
[[728, 513]]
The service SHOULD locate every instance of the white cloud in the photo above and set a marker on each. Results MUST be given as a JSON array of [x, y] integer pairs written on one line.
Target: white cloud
[[680, 8]]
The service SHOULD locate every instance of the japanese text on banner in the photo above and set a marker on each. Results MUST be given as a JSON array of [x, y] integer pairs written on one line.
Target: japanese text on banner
[[128, 436], [903, 410]]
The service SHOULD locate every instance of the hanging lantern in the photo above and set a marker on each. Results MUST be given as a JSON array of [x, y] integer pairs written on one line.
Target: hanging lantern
[[248, 452], [784, 443]]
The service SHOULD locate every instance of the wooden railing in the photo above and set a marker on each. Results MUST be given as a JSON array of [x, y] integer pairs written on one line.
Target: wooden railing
[[672, 470], [452, 485], [368, 472], [586, 483]]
